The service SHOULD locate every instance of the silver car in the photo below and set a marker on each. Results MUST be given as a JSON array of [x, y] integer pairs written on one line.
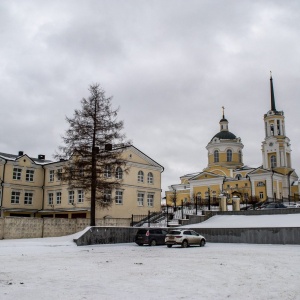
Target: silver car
[[184, 237]]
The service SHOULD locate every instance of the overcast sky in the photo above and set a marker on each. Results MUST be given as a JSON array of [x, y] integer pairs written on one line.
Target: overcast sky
[[170, 66]]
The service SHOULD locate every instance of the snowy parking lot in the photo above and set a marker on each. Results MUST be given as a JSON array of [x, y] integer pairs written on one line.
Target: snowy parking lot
[[55, 268]]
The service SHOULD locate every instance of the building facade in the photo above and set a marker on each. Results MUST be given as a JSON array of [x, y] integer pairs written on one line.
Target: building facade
[[226, 173], [32, 187]]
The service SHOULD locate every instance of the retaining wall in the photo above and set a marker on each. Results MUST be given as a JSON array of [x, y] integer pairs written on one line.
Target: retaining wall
[[19, 227], [111, 235]]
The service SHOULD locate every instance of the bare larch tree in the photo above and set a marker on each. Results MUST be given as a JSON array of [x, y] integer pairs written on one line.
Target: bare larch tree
[[93, 147]]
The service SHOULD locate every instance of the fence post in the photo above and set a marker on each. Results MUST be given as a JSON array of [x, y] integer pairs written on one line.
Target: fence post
[[181, 209], [132, 220], [148, 218]]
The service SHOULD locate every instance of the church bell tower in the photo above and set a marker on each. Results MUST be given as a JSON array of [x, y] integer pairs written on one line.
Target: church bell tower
[[276, 150]]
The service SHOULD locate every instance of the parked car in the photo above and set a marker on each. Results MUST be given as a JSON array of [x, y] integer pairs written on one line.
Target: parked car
[[292, 205], [150, 236], [184, 237], [274, 205]]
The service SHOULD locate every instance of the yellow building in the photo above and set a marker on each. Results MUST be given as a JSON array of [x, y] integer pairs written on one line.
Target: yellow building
[[227, 174], [31, 187]]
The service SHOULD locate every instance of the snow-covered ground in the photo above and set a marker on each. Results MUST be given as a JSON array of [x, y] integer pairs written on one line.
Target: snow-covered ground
[[55, 268]]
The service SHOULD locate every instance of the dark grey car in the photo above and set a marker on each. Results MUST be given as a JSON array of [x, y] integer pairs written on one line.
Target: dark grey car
[[150, 236]]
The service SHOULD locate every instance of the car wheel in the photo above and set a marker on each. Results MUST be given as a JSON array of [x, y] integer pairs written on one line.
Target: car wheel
[[153, 243], [169, 246], [140, 244], [202, 243], [185, 244]]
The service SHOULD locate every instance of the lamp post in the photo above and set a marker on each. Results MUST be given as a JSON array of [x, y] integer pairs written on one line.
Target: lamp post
[[208, 198]]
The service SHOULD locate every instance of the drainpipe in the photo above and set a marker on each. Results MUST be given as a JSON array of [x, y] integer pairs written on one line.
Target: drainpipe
[[44, 187], [2, 187]]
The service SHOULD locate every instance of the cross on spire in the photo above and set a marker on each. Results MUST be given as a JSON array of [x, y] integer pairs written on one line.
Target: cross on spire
[[223, 108]]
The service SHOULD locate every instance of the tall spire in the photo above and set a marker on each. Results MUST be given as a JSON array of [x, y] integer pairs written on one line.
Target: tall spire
[[273, 107]]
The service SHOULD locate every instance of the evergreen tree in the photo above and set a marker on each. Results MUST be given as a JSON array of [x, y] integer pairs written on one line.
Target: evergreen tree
[[93, 147]]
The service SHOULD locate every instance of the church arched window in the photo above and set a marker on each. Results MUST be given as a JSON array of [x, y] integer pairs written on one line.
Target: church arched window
[[240, 156], [216, 156], [238, 176], [229, 155], [273, 161]]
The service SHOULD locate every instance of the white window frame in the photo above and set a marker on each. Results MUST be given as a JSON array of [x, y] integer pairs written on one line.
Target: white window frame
[[107, 171], [50, 198], [119, 173], [261, 195], [15, 197], [119, 197], [150, 178], [29, 175], [71, 196], [140, 177], [107, 196], [140, 198], [51, 175], [58, 197], [150, 200], [28, 198], [80, 196], [17, 173], [59, 174]]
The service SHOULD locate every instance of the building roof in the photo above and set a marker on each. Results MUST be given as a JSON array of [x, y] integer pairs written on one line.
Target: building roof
[[8, 156], [224, 135]]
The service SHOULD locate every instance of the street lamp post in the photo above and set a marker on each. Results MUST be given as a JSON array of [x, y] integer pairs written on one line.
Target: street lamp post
[[208, 198]]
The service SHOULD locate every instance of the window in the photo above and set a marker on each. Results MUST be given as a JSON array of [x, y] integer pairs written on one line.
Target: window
[[119, 173], [140, 176], [107, 196], [273, 161], [17, 173], [51, 175], [238, 176], [150, 178], [272, 129], [29, 175], [260, 183], [261, 195], [59, 174], [71, 197], [107, 171], [50, 198], [216, 156], [58, 198], [229, 155], [150, 200], [140, 199], [278, 127], [15, 197], [119, 197], [28, 198], [80, 196]]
